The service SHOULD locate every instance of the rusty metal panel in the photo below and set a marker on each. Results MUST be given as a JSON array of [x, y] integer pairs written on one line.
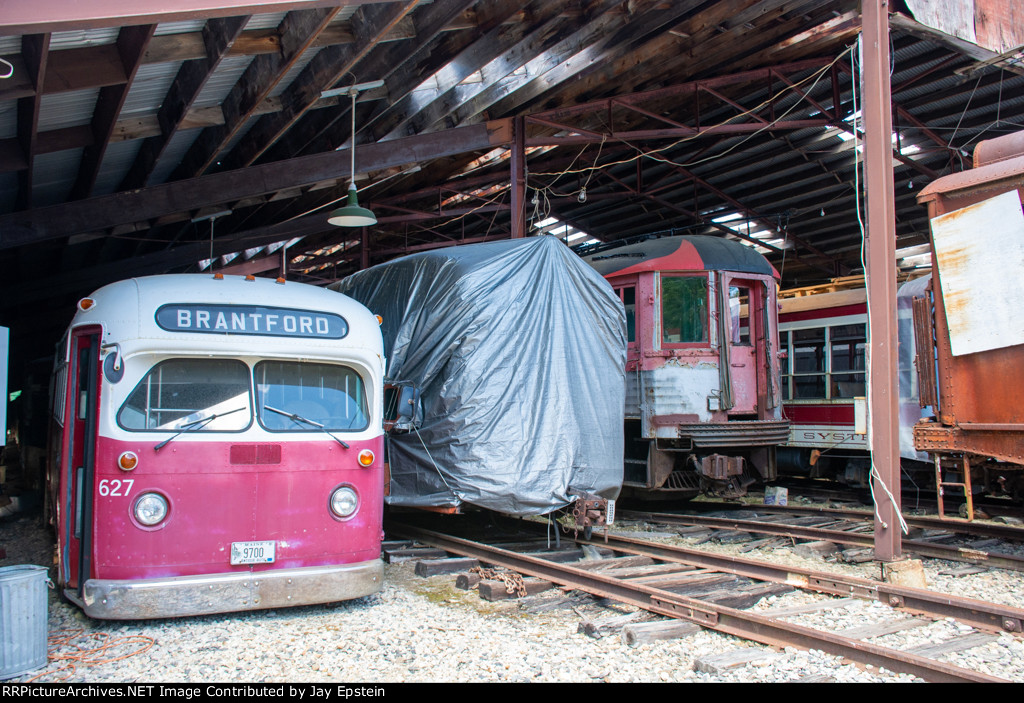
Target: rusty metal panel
[[999, 24], [954, 17], [971, 245], [925, 360], [721, 467], [1001, 444]]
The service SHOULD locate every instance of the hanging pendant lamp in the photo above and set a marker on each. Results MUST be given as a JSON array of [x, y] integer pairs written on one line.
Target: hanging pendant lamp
[[351, 214]]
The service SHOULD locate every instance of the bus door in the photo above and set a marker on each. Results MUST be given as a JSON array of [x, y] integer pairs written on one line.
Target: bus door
[[79, 469], [745, 305]]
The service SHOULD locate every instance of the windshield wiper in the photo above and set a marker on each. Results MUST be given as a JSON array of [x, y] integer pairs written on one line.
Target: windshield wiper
[[195, 425], [298, 418]]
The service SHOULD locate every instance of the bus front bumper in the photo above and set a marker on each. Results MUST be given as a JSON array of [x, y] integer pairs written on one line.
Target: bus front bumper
[[178, 596]]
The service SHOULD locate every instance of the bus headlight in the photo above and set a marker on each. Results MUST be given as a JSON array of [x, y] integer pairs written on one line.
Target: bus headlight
[[344, 501], [150, 509]]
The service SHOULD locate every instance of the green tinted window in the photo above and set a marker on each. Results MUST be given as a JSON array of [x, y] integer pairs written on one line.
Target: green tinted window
[[684, 310]]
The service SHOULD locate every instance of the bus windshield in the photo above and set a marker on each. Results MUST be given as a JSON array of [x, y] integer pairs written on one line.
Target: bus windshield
[[299, 396], [183, 393]]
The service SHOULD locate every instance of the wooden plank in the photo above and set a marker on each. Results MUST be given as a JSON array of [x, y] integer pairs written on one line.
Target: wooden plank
[[219, 36], [467, 581], [34, 50], [743, 598], [131, 44], [722, 662], [616, 563], [497, 590], [97, 214], [866, 632], [642, 632], [440, 567], [934, 650], [597, 629], [682, 576], [399, 556], [826, 604], [371, 25], [819, 549], [298, 30]]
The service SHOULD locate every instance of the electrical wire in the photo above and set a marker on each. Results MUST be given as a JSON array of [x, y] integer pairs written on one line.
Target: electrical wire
[[652, 154], [75, 648]]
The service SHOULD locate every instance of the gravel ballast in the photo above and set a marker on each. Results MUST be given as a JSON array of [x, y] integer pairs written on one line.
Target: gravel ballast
[[425, 630]]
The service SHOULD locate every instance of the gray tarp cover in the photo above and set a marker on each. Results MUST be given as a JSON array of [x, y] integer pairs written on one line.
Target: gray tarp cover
[[518, 350]]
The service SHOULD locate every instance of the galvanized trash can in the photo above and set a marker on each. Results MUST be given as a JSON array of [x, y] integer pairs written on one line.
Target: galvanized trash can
[[24, 608]]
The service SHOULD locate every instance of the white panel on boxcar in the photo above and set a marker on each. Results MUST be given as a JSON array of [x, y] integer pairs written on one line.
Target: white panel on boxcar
[[980, 253]]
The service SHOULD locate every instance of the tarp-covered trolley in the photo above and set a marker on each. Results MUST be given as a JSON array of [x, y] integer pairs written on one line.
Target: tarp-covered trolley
[[217, 447], [703, 403], [507, 361]]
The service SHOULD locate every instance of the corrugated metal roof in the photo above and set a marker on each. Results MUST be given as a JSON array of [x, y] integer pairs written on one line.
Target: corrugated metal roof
[[69, 109]]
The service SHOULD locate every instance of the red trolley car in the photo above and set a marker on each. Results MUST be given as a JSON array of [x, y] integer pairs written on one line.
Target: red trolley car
[[703, 402]]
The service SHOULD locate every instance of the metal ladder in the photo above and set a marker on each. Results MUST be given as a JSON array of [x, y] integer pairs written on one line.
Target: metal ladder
[[963, 466]]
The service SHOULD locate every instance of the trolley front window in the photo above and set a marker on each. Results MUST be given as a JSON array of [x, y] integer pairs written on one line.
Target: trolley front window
[[684, 310], [301, 397], [200, 395]]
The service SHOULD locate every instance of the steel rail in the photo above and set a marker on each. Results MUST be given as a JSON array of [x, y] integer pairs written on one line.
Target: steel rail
[[748, 625], [991, 617], [958, 525], [920, 547]]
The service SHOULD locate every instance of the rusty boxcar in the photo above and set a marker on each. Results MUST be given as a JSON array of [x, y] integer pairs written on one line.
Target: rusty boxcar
[[970, 352]]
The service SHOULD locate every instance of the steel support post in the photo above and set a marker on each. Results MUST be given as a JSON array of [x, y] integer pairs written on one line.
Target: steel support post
[[518, 166], [881, 276]]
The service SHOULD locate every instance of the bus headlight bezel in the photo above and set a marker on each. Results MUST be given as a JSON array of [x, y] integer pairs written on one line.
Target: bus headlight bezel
[[344, 502], [151, 509]]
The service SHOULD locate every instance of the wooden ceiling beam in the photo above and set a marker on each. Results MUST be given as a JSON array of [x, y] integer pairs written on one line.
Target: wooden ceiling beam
[[100, 213], [32, 16], [219, 36], [131, 44], [35, 49], [496, 53], [371, 24], [403, 70], [298, 31]]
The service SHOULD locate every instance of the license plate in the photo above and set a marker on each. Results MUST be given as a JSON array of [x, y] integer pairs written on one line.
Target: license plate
[[611, 513], [252, 552]]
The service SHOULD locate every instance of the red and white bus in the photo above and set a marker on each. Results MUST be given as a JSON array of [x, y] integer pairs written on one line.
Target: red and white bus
[[217, 447]]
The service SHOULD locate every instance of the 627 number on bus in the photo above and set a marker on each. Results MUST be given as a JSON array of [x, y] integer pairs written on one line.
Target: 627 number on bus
[[116, 487]]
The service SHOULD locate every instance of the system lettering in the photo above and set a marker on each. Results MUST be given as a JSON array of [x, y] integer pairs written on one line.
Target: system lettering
[[250, 320]]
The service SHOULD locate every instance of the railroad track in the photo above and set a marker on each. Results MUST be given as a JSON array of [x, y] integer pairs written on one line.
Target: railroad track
[[854, 529], [688, 585]]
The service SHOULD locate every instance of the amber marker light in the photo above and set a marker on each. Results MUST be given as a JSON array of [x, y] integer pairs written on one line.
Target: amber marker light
[[380, 320], [366, 457], [86, 304], [128, 461]]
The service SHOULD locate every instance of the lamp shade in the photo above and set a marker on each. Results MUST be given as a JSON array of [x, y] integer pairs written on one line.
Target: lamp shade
[[351, 215]]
